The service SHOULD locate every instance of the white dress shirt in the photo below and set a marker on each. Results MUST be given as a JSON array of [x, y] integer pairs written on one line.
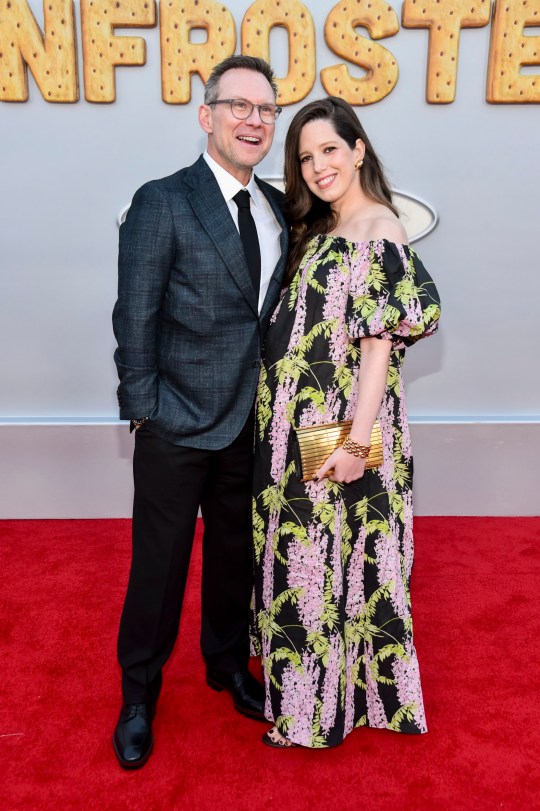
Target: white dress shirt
[[268, 228]]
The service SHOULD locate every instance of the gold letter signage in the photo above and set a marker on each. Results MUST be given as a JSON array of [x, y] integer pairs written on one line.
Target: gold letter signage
[[197, 34]]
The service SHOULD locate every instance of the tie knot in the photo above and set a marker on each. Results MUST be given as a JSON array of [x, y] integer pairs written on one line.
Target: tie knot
[[241, 198]]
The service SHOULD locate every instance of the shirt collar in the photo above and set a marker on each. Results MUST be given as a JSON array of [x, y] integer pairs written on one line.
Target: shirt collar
[[228, 184]]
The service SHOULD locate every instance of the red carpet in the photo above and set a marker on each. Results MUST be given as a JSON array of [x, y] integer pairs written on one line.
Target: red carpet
[[476, 588]]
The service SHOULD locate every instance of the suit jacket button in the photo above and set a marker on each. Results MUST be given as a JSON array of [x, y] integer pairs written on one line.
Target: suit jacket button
[[256, 364]]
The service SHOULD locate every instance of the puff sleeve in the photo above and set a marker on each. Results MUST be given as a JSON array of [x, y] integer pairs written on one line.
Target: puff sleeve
[[391, 295]]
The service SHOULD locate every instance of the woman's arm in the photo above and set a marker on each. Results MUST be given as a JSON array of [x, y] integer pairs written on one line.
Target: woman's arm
[[371, 386]]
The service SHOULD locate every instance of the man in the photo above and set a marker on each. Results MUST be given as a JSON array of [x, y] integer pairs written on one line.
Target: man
[[200, 270]]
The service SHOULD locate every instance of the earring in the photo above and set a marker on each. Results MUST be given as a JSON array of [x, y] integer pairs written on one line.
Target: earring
[[359, 163]]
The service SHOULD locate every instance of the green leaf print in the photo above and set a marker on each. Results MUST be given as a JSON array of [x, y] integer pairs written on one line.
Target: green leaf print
[[346, 538], [353, 352], [391, 317], [396, 504], [431, 314], [290, 469], [385, 652], [405, 290], [377, 525], [393, 380], [264, 403], [317, 739], [402, 475], [267, 625], [319, 643], [273, 499], [330, 613], [281, 599], [344, 379], [285, 654], [360, 508], [283, 722], [337, 257], [370, 607], [376, 277], [324, 512], [290, 528], [376, 676], [316, 396], [366, 305], [321, 328], [355, 674], [407, 712], [259, 536], [391, 650], [291, 366], [293, 291]]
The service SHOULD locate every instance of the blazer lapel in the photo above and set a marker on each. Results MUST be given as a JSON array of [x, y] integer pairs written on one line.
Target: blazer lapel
[[274, 286], [213, 213]]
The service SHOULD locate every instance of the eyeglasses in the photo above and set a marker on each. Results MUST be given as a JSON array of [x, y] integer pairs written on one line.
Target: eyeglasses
[[242, 109]]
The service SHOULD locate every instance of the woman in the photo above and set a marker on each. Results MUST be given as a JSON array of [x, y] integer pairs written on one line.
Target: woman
[[334, 554]]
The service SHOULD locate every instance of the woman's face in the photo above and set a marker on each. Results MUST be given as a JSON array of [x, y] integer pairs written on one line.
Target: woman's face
[[327, 161]]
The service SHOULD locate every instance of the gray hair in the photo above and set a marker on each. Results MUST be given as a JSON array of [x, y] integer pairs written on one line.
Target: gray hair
[[211, 88]]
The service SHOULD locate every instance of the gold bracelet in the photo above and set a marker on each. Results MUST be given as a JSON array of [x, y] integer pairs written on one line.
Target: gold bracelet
[[355, 448]]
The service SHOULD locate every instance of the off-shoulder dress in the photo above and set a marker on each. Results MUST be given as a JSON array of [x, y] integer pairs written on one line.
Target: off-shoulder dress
[[333, 561]]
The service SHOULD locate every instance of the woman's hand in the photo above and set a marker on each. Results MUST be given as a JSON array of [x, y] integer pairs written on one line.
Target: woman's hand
[[341, 467]]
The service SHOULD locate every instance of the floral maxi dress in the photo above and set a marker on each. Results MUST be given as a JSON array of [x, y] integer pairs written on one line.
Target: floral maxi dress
[[333, 561]]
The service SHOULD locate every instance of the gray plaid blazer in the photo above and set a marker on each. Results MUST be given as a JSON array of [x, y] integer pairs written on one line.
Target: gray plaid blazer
[[186, 320]]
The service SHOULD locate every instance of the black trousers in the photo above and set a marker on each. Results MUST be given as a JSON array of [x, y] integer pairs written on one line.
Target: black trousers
[[171, 482]]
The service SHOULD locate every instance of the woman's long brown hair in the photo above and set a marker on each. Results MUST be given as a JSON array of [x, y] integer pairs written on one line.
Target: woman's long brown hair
[[307, 214]]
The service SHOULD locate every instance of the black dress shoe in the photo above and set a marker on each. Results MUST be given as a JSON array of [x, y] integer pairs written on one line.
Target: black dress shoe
[[132, 739], [247, 693]]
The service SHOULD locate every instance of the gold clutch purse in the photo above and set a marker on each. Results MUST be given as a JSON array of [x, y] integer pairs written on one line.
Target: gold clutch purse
[[318, 442]]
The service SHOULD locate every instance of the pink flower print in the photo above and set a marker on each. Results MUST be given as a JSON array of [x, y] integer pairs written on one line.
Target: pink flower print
[[406, 447], [299, 695], [408, 542], [375, 707], [330, 689], [350, 406], [280, 429], [268, 562], [306, 572], [408, 686], [389, 570], [412, 319], [350, 688], [359, 268], [376, 322], [335, 304], [266, 650], [312, 415], [337, 574], [278, 307], [355, 577], [386, 420]]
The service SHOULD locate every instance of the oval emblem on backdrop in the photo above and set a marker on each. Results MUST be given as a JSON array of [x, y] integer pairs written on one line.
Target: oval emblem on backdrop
[[418, 217]]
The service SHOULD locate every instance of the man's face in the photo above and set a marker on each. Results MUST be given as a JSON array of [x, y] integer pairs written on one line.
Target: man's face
[[237, 145]]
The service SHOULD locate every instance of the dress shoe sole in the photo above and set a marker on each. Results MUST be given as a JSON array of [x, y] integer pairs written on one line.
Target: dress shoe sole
[[133, 764], [252, 714]]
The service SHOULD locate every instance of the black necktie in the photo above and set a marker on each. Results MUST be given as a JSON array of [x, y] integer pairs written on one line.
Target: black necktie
[[248, 235]]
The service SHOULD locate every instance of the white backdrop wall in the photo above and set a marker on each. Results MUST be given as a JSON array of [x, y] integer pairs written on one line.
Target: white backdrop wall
[[66, 171]]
